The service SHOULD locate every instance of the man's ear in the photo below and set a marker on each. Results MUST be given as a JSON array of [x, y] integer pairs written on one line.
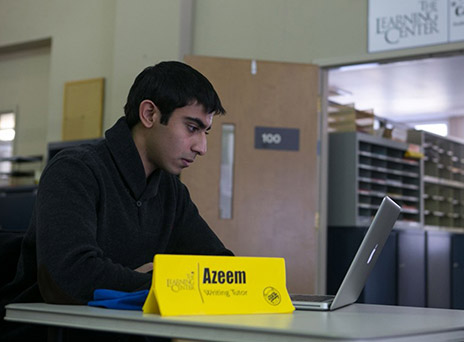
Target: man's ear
[[148, 113]]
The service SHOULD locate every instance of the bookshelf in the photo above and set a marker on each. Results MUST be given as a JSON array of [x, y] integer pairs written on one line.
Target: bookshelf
[[426, 177], [442, 180], [365, 168]]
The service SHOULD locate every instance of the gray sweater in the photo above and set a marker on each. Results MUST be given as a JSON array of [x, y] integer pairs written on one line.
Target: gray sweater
[[97, 218]]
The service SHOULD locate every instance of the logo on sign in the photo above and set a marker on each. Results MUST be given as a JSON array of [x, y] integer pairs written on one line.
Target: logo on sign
[[421, 23], [458, 8], [183, 284], [272, 296]]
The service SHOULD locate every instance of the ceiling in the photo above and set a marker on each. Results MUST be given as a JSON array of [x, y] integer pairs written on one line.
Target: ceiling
[[410, 91]]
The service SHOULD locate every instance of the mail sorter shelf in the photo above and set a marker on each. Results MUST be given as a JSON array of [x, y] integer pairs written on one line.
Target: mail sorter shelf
[[442, 181], [362, 170]]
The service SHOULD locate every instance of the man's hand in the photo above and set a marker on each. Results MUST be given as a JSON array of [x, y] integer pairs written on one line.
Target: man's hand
[[148, 267]]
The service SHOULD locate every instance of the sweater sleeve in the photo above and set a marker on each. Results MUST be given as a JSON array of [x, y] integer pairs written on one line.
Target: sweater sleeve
[[71, 265], [191, 234]]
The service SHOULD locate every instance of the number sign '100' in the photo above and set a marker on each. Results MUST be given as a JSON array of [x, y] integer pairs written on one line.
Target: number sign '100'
[[269, 138]]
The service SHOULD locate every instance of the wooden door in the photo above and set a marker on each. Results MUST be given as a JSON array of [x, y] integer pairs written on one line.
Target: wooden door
[[275, 192]]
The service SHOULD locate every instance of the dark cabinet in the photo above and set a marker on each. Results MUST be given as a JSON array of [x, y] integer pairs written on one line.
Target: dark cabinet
[[411, 268], [439, 269], [457, 287]]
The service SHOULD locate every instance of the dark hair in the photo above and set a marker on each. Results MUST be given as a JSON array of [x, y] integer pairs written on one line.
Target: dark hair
[[171, 85]]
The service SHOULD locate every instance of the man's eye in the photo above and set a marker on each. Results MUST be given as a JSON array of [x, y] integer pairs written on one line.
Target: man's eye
[[192, 128]]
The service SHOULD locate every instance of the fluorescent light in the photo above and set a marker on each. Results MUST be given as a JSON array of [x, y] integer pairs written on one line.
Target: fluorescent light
[[437, 128], [358, 67]]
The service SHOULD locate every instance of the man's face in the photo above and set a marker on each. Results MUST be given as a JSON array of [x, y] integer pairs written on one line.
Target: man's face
[[174, 146]]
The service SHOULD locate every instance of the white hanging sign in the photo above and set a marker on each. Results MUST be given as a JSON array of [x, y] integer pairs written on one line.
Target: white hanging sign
[[456, 18], [401, 24]]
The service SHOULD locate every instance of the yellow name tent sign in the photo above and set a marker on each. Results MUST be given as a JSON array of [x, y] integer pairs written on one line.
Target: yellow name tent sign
[[212, 285]]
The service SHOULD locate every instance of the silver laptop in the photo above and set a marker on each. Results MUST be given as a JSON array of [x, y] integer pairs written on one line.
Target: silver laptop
[[360, 267]]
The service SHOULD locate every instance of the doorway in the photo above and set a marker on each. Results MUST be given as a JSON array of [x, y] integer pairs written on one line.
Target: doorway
[[425, 90]]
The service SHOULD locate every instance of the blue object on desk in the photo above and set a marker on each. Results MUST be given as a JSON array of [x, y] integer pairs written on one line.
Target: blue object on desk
[[112, 299]]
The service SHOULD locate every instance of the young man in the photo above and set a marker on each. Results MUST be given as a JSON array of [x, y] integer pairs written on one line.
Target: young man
[[103, 211]]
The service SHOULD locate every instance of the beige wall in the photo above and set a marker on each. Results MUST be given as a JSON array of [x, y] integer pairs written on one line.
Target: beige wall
[[115, 39], [24, 90], [82, 48], [281, 30], [81, 35], [323, 32], [89, 38], [146, 32]]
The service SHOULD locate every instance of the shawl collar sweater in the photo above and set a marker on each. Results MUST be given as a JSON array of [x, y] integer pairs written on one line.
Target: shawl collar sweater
[[97, 218]]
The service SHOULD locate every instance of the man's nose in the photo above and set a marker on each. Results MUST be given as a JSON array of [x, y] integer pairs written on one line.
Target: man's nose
[[200, 145]]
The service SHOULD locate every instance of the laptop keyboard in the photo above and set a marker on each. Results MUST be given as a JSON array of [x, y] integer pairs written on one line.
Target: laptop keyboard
[[311, 298]]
